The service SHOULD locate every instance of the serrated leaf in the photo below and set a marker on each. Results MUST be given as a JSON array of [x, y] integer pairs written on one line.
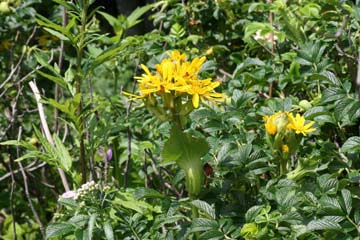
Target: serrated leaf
[[323, 224], [55, 79], [141, 193], [62, 153], [315, 111], [79, 220], [91, 225], [133, 18], [352, 144], [57, 34], [109, 233], [203, 224], [58, 230], [45, 143], [346, 196], [205, 207], [212, 235], [357, 216], [68, 202], [251, 214], [331, 77]]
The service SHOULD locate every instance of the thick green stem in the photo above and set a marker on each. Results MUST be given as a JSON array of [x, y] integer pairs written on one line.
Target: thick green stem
[[194, 212], [283, 166]]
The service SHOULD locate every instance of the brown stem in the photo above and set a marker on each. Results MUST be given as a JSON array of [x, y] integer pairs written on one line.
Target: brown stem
[[158, 174], [26, 187], [12, 196], [129, 137], [78, 81], [60, 63]]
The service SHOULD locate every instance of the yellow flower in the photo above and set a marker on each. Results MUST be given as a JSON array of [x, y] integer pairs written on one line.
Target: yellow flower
[[276, 122], [270, 125], [203, 90], [177, 76], [176, 56], [285, 148], [148, 83], [297, 124]]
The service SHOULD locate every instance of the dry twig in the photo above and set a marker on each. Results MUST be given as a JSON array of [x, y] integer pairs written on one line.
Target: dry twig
[[46, 129]]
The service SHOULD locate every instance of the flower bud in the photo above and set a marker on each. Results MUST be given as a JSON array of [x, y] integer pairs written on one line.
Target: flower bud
[[194, 180], [109, 154], [305, 105], [281, 121]]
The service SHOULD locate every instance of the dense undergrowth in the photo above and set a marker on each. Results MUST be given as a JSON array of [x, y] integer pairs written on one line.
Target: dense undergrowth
[[242, 121]]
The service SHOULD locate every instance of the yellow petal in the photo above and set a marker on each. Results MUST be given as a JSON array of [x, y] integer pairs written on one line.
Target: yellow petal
[[195, 100]]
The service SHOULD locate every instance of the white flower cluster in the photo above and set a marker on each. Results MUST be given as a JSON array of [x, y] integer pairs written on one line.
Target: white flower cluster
[[85, 189], [268, 37]]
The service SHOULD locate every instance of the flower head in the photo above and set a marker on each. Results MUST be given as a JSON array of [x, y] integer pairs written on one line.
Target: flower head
[[179, 77], [276, 122], [285, 148], [297, 124]]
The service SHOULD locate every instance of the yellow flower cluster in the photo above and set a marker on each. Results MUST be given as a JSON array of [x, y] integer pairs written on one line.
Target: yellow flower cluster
[[281, 121], [180, 77]]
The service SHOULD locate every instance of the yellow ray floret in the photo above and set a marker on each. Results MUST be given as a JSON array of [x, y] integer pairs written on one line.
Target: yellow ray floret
[[178, 76], [297, 124]]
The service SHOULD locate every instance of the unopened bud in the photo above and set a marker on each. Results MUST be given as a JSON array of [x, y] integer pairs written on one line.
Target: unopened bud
[[109, 154]]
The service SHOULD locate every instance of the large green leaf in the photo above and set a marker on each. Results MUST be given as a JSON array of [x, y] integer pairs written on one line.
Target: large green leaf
[[183, 148], [323, 224], [146, 193], [58, 230], [62, 153], [346, 196], [91, 224], [205, 207], [203, 224], [133, 18], [109, 233], [187, 151], [351, 145]]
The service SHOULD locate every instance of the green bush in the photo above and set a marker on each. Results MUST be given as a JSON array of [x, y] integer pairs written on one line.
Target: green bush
[[242, 121]]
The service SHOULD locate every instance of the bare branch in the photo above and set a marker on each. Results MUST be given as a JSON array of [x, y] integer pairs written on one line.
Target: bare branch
[[28, 168], [46, 129], [13, 70]]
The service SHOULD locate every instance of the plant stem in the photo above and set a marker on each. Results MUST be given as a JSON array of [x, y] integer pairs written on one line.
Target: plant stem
[[283, 166], [194, 214], [78, 80]]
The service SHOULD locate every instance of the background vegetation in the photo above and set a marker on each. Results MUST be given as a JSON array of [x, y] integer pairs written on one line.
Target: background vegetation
[[85, 136]]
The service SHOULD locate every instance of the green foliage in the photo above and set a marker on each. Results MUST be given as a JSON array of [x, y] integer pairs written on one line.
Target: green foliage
[[284, 56]]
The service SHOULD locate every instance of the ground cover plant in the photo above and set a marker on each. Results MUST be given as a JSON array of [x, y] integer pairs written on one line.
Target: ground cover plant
[[169, 119]]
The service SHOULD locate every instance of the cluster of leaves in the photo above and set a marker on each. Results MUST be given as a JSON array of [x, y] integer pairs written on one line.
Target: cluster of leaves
[[297, 56]]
